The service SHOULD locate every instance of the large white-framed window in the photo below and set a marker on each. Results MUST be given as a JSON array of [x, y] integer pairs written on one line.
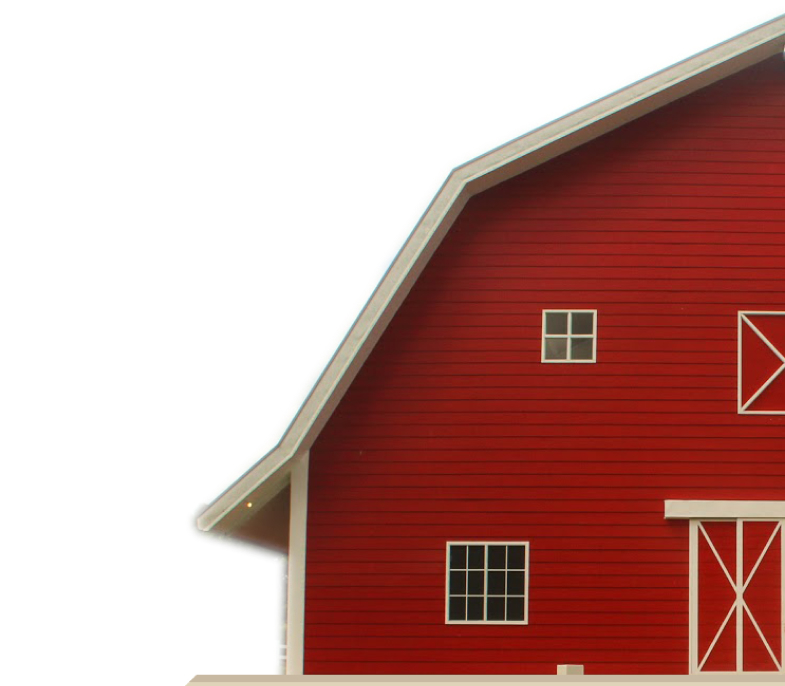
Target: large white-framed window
[[487, 582], [761, 362], [569, 335]]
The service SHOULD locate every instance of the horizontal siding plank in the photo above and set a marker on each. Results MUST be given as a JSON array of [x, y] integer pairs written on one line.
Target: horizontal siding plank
[[523, 277], [545, 495], [517, 664], [534, 369], [479, 482], [418, 593], [613, 429], [436, 606], [560, 188], [524, 262], [591, 380], [578, 573], [699, 144], [490, 656], [456, 398], [500, 532], [552, 618], [550, 246], [736, 198], [562, 299], [652, 350], [580, 441], [365, 501], [562, 413], [501, 642], [716, 287], [565, 465], [644, 460], [576, 540], [470, 515]]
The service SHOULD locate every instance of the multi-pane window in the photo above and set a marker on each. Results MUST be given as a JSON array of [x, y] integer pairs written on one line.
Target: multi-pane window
[[569, 335], [487, 582]]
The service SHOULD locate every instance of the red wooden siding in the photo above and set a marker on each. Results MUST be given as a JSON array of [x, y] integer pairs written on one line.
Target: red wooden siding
[[455, 431]]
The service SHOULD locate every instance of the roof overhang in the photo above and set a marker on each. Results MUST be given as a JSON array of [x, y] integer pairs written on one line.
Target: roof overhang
[[268, 476]]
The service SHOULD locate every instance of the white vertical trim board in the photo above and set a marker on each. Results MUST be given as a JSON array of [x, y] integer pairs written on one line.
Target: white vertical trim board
[[693, 615], [739, 595], [295, 606]]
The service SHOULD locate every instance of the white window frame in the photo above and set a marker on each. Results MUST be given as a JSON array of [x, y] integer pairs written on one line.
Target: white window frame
[[743, 319], [569, 336], [505, 622]]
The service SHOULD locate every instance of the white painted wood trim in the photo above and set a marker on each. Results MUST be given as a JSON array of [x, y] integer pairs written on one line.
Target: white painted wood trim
[[569, 336], [744, 320], [295, 596], [724, 509], [739, 587], [475, 176], [739, 607], [693, 615], [487, 622]]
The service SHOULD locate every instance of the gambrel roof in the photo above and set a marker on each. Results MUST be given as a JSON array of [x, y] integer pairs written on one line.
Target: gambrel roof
[[270, 475]]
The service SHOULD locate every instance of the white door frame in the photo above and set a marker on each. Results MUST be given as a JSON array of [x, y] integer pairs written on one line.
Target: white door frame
[[697, 511]]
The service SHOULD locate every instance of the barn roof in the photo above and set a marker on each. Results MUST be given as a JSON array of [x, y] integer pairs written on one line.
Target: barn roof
[[270, 474]]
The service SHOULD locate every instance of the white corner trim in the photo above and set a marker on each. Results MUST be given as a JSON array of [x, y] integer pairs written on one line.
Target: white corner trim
[[724, 509], [295, 593]]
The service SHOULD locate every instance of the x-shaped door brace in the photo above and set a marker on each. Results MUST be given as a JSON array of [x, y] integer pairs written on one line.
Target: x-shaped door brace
[[739, 587]]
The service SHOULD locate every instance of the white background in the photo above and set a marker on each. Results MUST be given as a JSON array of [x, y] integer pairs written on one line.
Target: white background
[[196, 200]]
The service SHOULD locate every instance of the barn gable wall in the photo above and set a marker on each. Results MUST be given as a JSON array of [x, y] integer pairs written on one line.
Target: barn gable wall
[[455, 430]]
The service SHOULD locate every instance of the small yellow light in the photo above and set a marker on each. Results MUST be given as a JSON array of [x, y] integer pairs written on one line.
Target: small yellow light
[[249, 504]]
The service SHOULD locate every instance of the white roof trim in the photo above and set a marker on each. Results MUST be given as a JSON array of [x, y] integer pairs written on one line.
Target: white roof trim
[[724, 509], [465, 181]]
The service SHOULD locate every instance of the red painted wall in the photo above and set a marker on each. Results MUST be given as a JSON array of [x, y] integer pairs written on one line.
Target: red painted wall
[[454, 429]]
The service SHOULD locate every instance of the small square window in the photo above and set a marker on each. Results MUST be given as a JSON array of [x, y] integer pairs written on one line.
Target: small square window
[[569, 335], [487, 583]]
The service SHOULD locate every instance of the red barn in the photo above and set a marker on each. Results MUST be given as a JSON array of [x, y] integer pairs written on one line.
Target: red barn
[[555, 435]]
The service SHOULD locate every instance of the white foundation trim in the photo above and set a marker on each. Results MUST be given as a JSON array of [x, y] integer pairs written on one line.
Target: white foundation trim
[[725, 509], [295, 605]]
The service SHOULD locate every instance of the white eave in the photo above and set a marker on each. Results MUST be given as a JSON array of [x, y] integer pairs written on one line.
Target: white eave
[[270, 474]]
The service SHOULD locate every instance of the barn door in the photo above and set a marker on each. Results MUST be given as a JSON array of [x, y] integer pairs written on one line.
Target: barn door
[[737, 596]]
